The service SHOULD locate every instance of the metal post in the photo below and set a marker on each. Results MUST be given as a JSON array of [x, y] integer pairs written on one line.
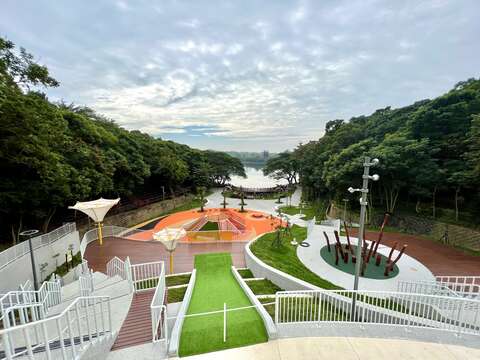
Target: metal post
[[29, 234], [171, 262], [100, 237], [363, 208]]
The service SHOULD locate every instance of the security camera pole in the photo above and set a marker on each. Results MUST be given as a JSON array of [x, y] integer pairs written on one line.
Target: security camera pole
[[363, 208]]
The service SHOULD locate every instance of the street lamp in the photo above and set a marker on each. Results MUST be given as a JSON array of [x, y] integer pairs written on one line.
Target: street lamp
[[363, 208], [169, 237], [29, 234]]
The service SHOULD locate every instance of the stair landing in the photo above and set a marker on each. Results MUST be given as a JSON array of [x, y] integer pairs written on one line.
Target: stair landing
[[137, 327]]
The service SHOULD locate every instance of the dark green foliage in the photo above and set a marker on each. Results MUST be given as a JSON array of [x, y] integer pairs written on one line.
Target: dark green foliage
[[429, 154]]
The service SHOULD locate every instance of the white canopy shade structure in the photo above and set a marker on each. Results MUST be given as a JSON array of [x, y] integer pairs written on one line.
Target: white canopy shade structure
[[169, 237], [96, 210]]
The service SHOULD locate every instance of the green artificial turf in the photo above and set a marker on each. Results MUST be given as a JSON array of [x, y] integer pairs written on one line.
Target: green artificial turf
[[372, 271], [214, 286], [210, 226], [285, 257]]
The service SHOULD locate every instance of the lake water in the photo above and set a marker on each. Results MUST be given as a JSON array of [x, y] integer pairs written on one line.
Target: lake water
[[255, 178]]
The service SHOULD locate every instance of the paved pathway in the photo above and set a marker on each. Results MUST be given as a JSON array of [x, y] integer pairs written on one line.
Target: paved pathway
[[145, 251], [343, 348]]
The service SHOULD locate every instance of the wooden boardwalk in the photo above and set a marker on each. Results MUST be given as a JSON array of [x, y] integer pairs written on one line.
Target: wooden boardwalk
[[137, 326], [145, 251]]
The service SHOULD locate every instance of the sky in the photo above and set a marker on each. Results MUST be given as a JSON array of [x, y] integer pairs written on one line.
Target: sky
[[246, 75]]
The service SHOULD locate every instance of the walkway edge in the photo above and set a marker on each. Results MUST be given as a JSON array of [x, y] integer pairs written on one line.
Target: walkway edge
[[267, 319], [177, 328]]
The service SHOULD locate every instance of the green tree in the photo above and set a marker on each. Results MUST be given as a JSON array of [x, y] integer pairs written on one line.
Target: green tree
[[283, 166]]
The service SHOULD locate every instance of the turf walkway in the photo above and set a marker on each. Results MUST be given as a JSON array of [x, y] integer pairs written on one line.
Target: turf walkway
[[214, 286]]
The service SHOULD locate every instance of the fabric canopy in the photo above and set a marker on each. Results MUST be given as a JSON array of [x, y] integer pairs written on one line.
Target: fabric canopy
[[169, 237], [95, 209]]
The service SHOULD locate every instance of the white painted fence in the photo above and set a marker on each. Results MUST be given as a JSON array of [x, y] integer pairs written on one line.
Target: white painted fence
[[158, 310], [299, 308], [86, 284], [425, 287], [49, 295], [145, 276], [13, 253], [116, 266], [85, 321]]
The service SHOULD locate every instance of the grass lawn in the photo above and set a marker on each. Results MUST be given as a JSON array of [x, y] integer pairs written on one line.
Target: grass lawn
[[263, 287], [309, 211], [177, 280], [285, 257], [176, 294], [209, 226], [246, 273], [214, 286]]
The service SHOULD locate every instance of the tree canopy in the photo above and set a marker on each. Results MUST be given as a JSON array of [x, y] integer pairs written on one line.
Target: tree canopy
[[429, 151], [54, 154]]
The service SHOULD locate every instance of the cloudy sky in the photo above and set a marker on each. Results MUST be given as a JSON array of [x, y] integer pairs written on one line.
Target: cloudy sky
[[246, 75]]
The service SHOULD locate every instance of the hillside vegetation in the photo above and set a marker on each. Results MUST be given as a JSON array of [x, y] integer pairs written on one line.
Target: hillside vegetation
[[429, 156], [52, 155]]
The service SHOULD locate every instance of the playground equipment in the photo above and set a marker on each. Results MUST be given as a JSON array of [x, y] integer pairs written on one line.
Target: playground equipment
[[346, 252]]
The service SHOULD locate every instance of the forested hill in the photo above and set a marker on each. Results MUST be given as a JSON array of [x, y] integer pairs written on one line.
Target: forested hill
[[52, 155], [429, 155]]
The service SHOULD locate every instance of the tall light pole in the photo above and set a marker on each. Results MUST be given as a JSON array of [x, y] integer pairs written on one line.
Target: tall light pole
[[29, 234], [363, 209]]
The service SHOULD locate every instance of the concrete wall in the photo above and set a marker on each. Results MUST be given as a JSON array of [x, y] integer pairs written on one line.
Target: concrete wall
[[20, 270]]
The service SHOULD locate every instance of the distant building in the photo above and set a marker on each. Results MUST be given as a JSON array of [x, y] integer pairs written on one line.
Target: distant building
[[265, 154]]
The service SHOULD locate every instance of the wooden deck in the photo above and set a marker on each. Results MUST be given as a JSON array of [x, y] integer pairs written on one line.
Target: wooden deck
[[145, 251], [137, 327]]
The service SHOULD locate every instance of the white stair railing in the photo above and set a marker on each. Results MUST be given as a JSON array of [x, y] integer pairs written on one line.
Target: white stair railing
[[49, 294], [116, 266], [158, 310], [86, 284], [84, 322], [145, 276]]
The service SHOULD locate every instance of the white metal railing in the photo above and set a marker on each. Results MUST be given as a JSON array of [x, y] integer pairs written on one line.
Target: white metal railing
[[86, 284], [116, 266], [158, 310], [376, 307], [425, 287], [21, 249], [49, 294], [468, 286], [85, 321], [145, 276]]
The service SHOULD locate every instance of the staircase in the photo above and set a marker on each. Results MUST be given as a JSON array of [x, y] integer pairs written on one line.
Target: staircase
[[75, 328], [136, 328]]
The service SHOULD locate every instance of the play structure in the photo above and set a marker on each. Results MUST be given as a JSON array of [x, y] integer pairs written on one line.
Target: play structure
[[332, 256], [344, 255], [210, 225]]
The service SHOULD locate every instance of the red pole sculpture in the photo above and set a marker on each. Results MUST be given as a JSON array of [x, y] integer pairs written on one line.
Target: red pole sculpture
[[349, 246], [391, 252], [328, 241], [336, 254], [339, 244], [380, 236], [389, 267]]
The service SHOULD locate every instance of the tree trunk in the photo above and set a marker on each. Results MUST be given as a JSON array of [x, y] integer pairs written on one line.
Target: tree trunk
[[417, 206], [433, 201], [16, 233], [457, 191], [49, 217]]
